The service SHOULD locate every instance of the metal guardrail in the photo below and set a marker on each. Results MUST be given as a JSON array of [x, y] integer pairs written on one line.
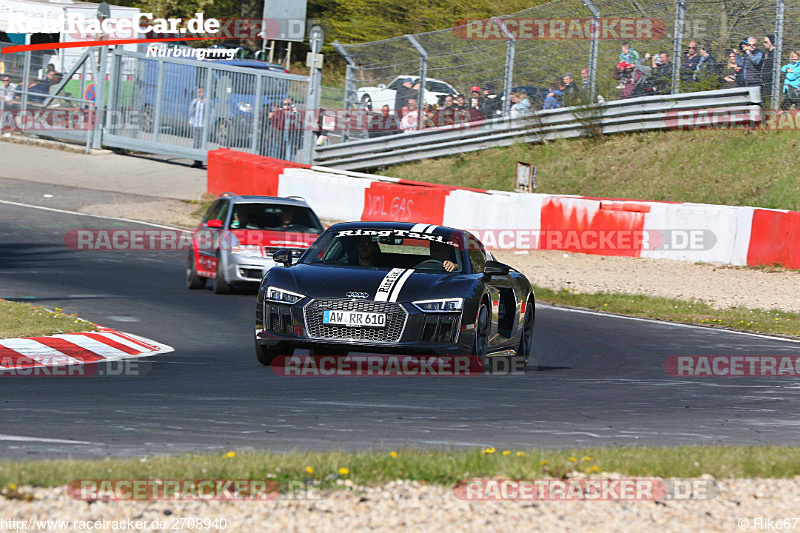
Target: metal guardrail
[[633, 114]]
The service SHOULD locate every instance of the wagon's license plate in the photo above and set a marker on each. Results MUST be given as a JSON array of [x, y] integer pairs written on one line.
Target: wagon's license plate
[[354, 319]]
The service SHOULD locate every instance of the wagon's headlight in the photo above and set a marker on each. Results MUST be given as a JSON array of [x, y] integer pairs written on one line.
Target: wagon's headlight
[[245, 107], [280, 295], [247, 250], [445, 305]]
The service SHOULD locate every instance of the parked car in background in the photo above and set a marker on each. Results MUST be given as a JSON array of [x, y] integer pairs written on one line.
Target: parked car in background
[[374, 98]]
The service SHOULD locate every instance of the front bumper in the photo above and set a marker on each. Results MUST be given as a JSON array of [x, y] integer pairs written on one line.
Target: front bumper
[[286, 327], [245, 269]]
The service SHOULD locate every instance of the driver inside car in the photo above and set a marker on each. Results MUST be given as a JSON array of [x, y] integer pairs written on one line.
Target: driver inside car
[[443, 253], [368, 251]]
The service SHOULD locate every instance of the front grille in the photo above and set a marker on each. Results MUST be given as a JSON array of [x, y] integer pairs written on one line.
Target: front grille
[[396, 318], [278, 318], [440, 328]]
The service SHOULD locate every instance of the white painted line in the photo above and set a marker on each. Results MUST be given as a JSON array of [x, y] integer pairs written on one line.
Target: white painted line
[[665, 323], [94, 216], [39, 352], [20, 438]]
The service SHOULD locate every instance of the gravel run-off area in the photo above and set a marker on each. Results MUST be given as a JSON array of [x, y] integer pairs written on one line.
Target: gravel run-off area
[[412, 506]]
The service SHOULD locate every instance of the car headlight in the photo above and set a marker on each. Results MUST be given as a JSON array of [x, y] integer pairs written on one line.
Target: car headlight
[[275, 294], [245, 107], [445, 305], [247, 250]]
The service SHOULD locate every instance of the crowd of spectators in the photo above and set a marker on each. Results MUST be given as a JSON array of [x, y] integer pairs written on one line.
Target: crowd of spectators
[[746, 66]]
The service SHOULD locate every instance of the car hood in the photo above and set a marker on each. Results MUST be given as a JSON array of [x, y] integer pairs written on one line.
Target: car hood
[[403, 285]]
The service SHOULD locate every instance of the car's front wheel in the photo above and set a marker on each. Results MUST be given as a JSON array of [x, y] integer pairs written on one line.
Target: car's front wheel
[[526, 338], [220, 285], [266, 356], [480, 347]]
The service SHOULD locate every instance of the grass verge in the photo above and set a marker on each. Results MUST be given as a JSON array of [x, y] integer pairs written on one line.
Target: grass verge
[[686, 311], [25, 320], [436, 467], [705, 166]]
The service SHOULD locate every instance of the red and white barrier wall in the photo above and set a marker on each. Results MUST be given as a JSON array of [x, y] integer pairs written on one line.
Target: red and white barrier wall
[[730, 235]]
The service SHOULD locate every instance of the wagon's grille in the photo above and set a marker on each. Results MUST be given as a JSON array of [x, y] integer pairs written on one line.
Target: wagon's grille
[[396, 318]]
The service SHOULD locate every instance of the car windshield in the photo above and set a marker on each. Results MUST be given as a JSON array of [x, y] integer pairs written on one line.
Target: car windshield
[[275, 218], [385, 249]]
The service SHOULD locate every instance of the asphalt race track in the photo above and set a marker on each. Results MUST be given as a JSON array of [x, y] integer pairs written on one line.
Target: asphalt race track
[[602, 381]]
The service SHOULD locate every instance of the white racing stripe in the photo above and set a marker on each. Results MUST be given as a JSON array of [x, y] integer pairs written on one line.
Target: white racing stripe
[[431, 228], [387, 284], [399, 285], [418, 228]]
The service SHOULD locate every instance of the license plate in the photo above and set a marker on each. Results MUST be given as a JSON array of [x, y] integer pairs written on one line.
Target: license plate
[[354, 319]]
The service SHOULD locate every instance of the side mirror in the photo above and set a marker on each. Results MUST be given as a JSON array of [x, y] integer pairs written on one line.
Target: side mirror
[[214, 223], [495, 268], [381, 86], [283, 256]]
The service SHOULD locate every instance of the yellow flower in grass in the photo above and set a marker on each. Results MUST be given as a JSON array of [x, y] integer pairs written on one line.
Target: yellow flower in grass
[[574, 460], [344, 471], [520, 454], [230, 455], [13, 486], [542, 463], [490, 449], [309, 470], [595, 468], [393, 455], [506, 452], [587, 458]]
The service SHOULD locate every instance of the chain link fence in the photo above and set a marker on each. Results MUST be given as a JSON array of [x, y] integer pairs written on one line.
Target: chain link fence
[[532, 50]]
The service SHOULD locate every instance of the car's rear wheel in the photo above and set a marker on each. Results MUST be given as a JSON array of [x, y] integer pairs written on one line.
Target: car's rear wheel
[[366, 101], [480, 347], [220, 285], [526, 338], [193, 281]]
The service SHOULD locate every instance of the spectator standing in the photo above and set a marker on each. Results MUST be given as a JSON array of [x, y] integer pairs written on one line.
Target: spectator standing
[[522, 105], [662, 73], [791, 83], [766, 66], [690, 60], [707, 71], [492, 105], [401, 97], [553, 98], [644, 85], [475, 100], [411, 117], [750, 63], [197, 120], [8, 90], [730, 73], [569, 94], [461, 103]]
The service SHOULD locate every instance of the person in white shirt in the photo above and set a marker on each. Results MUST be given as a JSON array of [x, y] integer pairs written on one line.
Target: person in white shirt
[[410, 119], [7, 90], [197, 116]]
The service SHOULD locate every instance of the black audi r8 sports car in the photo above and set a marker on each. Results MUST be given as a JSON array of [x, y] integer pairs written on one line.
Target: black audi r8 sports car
[[390, 287]]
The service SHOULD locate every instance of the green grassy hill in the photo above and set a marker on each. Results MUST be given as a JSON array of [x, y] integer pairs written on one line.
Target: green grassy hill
[[760, 168]]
